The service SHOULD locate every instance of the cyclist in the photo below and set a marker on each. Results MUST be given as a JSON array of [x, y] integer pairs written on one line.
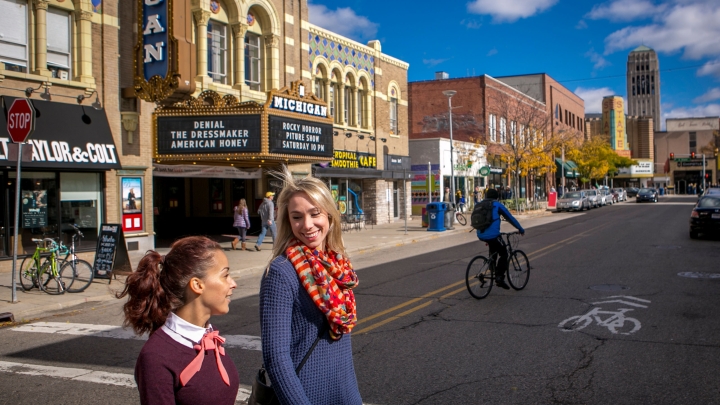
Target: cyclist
[[491, 235]]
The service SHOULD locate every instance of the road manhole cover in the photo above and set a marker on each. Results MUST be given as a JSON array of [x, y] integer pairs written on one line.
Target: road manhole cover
[[609, 287], [697, 274], [668, 247]]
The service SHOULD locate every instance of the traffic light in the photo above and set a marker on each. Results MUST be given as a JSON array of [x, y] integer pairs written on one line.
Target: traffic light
[[672, 156], [707, 176], [692, 155]]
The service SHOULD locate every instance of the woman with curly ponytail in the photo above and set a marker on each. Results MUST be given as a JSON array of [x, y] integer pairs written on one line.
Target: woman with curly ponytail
[[172, 298]]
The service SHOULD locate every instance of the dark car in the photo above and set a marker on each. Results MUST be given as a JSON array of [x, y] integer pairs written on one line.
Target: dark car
[[632, 192], [705, 217], [647, 194]]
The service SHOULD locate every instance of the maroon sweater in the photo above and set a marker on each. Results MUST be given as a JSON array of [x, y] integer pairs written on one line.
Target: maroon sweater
[[158, 368]]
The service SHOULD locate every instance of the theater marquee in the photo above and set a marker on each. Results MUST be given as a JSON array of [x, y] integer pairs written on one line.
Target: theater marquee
[[215, 128]]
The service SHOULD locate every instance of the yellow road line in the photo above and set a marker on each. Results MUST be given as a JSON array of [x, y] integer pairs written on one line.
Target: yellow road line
[[423, 305]]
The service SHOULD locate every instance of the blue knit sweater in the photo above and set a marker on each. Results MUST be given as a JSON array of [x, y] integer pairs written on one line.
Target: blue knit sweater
[[290, 322]]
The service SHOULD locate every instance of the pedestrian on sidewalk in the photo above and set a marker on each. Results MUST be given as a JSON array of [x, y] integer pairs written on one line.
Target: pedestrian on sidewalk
[[477, 196], [306, 296], [267, 219], [242, 223], [172, 297]]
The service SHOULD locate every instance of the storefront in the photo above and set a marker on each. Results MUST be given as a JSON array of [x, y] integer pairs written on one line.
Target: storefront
[[63, 180], [569, 170], [640, 175], [686, 174]]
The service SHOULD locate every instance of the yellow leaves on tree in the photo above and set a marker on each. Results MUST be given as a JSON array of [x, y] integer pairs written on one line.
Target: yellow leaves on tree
[[595, 159]]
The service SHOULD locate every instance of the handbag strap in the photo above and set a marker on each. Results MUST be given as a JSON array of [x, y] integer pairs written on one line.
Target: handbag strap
[[307, 355]]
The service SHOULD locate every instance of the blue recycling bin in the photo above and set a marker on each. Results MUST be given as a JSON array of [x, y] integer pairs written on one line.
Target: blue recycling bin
[[436, 216]]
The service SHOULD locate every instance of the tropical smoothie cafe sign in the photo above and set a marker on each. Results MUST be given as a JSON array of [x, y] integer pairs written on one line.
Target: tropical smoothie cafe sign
[[211, 127], [343, 159]]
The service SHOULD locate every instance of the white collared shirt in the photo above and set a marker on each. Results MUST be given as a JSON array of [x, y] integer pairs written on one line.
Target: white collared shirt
[[183, 331]]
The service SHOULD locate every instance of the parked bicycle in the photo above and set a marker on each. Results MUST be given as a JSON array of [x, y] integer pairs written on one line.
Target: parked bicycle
[[81, 271], [42, 271], [480, 274]]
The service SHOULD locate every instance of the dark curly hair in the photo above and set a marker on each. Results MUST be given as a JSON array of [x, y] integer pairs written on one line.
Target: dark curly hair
[[158, 286]]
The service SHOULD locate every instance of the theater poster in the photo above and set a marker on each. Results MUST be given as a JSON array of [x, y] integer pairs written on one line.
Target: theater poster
[[131, 189]]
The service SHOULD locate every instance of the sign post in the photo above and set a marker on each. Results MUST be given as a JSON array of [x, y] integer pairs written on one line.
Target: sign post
[[20, 124]]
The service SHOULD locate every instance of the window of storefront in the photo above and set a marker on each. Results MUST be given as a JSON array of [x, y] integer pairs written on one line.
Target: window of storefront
[[13, 44], [217, 52], [252, 61], [50, 203], [58, 43]]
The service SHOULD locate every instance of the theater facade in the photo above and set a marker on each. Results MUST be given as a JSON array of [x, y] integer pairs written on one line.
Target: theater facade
[[224, 92]]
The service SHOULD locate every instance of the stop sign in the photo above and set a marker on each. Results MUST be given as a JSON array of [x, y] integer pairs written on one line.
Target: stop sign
[[20, 120]]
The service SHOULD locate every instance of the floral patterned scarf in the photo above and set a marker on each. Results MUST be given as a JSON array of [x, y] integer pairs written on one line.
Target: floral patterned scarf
[[329, 279]]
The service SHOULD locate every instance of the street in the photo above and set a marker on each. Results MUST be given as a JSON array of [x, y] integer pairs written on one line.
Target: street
[[606, 318]]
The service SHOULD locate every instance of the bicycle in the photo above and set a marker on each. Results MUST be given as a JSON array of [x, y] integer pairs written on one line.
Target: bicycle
[[480, 274], [82, 272], [45, 275], [460, 217]]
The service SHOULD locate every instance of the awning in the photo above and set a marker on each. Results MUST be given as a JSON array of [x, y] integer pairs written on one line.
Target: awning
[[67, 136], [218, 172], [331, 172], [570, 169]]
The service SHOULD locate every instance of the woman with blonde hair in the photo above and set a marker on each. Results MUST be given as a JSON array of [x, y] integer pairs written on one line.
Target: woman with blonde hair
[[307, 306], [241, 221]]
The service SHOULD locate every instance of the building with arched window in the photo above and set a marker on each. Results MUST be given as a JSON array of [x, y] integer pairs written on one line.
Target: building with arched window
[[226, 91]]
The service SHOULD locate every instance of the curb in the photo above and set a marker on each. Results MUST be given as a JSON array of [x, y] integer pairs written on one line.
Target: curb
[[40, 312]]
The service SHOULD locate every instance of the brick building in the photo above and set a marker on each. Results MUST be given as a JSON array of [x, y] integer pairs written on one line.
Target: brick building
[[502, 113], [63, 56]]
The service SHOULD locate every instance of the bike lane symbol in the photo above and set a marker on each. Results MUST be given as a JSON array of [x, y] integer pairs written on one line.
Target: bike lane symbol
[[615, 321]]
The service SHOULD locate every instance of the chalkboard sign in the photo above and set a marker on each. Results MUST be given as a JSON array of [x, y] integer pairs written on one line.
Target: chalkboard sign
[[111, 255]]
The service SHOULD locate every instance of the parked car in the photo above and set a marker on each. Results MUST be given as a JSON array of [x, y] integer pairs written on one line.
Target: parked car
[[607, 197], [632, 192], [705, 217], [620, 193], [593, 198], [647, 194], [573, 201]]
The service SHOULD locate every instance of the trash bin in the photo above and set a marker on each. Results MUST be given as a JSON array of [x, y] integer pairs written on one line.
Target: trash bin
[[449, 217], [436, 216], [661, 190]]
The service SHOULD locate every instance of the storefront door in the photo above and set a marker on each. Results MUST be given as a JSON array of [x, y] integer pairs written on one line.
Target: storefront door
[[396, 199]]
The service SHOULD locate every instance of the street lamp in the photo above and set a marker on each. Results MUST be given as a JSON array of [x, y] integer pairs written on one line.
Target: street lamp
[[449, 94]]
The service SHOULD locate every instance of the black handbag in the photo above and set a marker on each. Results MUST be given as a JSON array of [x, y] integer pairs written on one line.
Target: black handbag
[[262, 392]]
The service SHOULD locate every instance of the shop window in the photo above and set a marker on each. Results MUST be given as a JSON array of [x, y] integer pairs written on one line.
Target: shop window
[[38, 208], [492, 126], [58, 43], [252, 61], [320, 88], [394, 116], [80, 203], [14, 35], [217, 52]]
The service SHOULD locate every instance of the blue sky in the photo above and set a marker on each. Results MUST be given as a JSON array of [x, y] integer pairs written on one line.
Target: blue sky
[[583, 44]]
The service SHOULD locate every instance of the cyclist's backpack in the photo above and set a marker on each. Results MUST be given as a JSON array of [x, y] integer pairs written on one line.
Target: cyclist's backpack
[[482, 215]]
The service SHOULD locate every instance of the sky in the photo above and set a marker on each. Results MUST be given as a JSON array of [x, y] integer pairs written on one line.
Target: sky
[[583, 44]]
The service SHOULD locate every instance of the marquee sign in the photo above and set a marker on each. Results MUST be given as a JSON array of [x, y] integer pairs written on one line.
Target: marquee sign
[[208, 134], [343, 159]]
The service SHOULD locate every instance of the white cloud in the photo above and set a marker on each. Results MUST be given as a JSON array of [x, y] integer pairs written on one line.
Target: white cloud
[[597, 59], [471, 24], [710, 68], [433, 62], [593, 97], [710, 95], [492, 52], [509, 10], [624, 10], [343, 21], [581, 25], [689, 26], [709, 110]]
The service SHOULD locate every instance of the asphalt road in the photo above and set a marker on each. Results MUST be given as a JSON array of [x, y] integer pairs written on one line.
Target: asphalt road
[[649, 335]]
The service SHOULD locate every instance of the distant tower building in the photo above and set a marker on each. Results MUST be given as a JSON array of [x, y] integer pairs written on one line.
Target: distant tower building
[[643, 84]]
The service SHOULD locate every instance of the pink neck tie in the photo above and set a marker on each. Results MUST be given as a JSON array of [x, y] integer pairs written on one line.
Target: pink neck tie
[[210, 341]]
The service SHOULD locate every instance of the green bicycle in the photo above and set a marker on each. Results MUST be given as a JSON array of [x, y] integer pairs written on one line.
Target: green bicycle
[[45, 274]]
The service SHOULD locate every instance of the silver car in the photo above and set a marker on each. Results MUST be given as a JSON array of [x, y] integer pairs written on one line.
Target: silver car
[[573, 201], [593, 198], [621, 193]]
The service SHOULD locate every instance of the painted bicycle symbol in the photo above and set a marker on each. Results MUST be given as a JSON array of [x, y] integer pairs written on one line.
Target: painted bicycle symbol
[[615, 321]]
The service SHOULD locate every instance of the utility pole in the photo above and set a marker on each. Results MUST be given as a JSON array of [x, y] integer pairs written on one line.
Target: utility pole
[[449, 94]]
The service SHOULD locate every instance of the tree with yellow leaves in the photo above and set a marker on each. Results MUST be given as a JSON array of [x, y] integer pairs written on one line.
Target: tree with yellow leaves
[[595, 159]]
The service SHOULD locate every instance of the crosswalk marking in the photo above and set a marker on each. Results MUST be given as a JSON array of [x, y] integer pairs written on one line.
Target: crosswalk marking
[[76, 374], [245, 342]]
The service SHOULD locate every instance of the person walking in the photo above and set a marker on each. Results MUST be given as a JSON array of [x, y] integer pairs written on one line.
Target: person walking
[[172, 297], [491, 235], [241, 221], [446, 196], [267, 219], [477, 196], [306, 296]]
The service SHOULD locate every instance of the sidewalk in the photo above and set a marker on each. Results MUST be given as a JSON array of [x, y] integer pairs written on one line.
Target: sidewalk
[[245, 265]]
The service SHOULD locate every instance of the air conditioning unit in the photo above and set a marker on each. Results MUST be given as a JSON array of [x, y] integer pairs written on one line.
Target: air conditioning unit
[[64, 75]]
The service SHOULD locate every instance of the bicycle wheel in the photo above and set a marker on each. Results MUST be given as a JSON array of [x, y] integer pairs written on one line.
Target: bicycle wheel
[[28, 274], [479, 277], [78, 274], [51, 284], [519, 270], [461, 219]]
